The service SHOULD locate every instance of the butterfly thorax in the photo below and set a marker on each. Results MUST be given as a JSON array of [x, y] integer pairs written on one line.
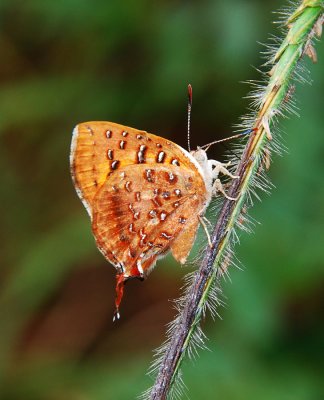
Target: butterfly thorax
[[205, 170]]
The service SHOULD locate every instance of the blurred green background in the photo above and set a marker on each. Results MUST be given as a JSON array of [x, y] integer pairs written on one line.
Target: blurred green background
[[64, 62]]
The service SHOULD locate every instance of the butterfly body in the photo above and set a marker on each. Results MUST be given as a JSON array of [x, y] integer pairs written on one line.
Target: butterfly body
[[144, 194]]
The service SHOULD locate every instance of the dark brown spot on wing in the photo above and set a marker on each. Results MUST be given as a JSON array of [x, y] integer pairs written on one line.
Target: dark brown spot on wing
[[114, 164], [131, 228], [124, 238], [149, 175], [141, 154], [171, 178], [166, 195], [143, 236], [128, 186], [156, 201], [152, 214], [110, 154], [163, 215], [132, 252], [160, 157], [166, 235]]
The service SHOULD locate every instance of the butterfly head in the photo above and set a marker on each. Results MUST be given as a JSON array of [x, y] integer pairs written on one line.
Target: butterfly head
[[200, 156], [205, 165]]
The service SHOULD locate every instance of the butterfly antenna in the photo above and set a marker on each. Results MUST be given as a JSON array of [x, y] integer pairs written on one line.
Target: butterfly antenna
[[189, 113], [247, 132]]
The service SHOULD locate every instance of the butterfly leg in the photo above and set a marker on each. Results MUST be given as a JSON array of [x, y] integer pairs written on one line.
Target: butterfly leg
[[207, 220], [201, 219], [221, 168], [218, 187], [217, 168]]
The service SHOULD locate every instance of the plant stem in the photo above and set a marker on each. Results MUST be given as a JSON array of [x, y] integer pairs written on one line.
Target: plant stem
[[303, 24]]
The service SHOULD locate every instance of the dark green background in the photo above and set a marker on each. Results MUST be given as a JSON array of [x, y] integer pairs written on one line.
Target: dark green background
[[63, 62]]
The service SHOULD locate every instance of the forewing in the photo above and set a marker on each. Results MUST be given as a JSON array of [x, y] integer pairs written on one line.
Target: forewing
[[141, 210], [100, 148]]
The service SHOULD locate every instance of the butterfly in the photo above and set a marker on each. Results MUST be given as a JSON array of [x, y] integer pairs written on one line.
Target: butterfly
[[145, 195]]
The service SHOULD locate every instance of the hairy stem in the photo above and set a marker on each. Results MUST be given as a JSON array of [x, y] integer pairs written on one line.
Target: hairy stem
[[303, 25]]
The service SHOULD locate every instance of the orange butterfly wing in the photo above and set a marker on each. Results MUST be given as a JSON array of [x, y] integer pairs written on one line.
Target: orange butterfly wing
[[99, 148], [139, 213], [142, 192]]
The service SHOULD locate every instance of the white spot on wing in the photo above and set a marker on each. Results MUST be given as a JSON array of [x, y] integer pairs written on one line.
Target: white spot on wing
[[139, 267]]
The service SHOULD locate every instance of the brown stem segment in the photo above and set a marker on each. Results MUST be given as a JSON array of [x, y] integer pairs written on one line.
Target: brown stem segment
[[174, 351]]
